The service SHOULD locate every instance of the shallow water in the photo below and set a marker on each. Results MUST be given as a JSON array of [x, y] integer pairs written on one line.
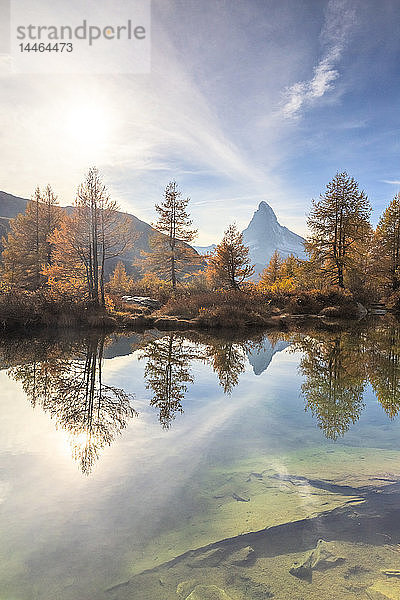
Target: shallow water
[[120, 454]]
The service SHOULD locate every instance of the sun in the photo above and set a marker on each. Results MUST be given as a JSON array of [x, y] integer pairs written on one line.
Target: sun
[[88, 127]]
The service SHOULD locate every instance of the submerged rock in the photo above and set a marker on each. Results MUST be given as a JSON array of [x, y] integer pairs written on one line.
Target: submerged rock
[[302, 571], [242, 557], [322, 557], [210, 558], [240, 498], [208, 592], [185, 587]]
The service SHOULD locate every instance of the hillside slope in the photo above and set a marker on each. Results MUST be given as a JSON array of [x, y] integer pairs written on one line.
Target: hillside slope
[[141, 232]]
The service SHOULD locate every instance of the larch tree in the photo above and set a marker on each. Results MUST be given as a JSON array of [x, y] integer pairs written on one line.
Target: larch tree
[[387, 245], [383, 359], [290, 266], [229, 265], [93, 234], [68, 273], [170, 256], [27, 249], [227, 359], [338, 221], [273, 271], [120, 282], [68, 384]]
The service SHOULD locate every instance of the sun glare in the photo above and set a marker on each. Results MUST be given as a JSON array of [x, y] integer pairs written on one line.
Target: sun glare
[[89, 127]]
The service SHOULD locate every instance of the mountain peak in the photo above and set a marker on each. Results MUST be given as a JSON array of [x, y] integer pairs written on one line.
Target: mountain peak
[[264, 204], [265, 210], [265, 234]]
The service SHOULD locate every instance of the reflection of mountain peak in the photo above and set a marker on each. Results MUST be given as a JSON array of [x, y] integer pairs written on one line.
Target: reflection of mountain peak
[[260, 357]]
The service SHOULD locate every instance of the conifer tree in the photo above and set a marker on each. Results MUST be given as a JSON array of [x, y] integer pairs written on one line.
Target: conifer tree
[[290, 266], [387, 245], [383, 359], [334, 373], [273, 271], [227, 360], [338, 221], [229, 265], [120, 282], [169, 256], [67, 383], [27, 247]]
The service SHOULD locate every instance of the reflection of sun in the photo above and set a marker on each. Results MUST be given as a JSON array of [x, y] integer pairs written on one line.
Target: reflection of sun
[[77, 442], [80, 440]]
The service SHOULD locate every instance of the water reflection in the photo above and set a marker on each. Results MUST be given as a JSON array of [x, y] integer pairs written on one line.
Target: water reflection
[[383, 360], [167, 374], [334, 373], [337, 366], [227, 359], [65, 376], [65, 380]]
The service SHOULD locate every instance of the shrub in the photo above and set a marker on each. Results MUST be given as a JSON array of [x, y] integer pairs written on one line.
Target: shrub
[[224, 308], [313, 301], [30, 309]]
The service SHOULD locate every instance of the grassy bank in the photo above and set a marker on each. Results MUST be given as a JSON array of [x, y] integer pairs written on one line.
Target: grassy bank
[[253, 308], [25, 310], [219, 309]]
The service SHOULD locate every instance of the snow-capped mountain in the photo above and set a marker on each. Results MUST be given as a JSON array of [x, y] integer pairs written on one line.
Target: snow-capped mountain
[[264, 235], [205, 249]]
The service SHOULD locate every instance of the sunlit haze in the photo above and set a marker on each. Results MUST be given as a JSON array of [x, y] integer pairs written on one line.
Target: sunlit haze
[[246, 101]]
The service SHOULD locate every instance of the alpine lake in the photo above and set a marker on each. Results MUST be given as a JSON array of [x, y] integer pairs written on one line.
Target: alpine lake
[[201, 466]]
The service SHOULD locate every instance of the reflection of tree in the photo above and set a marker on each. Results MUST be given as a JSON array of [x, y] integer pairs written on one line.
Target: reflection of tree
[[167, 374], [228, 361], [69, 386], [384, 367], [64, 376], [226, 353], [335, 378]]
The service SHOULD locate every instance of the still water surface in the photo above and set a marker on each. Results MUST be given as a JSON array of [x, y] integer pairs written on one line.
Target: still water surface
[[162, 466]]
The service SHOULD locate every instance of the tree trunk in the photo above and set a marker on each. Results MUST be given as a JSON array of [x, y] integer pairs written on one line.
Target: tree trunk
[[173, 272], [37, 283], [340, 276]]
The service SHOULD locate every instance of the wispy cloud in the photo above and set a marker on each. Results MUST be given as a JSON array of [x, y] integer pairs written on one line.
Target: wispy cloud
[[391, 181], [339, 20], [138, 125], [230, 199]]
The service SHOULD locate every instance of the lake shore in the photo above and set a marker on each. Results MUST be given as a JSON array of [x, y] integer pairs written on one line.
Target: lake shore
[[234, 309]]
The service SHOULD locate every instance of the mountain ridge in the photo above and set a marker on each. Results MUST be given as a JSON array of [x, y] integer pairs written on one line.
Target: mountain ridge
[[263, 235], [12, 205]]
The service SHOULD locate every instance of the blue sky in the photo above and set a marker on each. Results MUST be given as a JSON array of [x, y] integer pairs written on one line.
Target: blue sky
[[246, 101]]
